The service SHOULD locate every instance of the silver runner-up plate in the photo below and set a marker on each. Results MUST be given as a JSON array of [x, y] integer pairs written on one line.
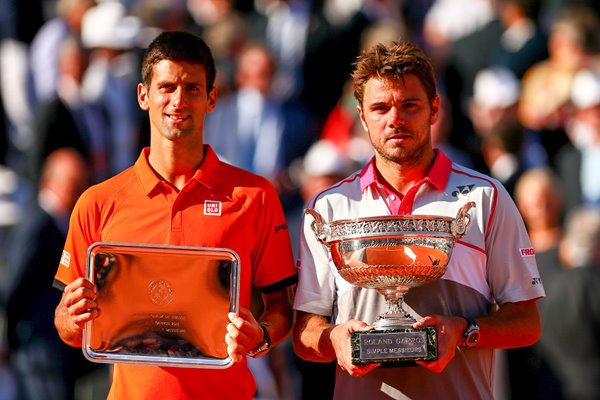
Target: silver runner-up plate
[[161, 305]]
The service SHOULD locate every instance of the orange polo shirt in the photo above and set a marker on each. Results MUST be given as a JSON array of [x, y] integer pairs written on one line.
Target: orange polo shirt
[[221, 206]]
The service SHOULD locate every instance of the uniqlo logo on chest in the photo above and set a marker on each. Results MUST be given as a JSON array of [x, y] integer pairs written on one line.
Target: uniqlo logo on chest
[[212, 207]]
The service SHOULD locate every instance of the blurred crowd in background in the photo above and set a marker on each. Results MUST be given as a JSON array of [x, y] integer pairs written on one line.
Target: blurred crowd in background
[[520, 88]]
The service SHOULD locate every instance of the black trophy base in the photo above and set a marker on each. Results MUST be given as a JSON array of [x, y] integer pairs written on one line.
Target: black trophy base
[[394, 346]]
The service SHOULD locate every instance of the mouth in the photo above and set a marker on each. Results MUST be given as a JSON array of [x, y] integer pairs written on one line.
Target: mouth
[[399, 136], [177, 117]]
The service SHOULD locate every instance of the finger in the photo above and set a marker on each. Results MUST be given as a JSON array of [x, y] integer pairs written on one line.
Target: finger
[[80, 283], [234, 332], [81, 306], [234, 350], [425, 321], [83, 318], [243, 317]]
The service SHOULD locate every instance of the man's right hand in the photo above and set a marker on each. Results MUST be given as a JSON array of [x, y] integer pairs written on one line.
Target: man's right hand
[[340, 340], [77, 306]]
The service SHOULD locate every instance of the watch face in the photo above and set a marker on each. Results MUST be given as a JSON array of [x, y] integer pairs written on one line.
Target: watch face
[[473, 338]]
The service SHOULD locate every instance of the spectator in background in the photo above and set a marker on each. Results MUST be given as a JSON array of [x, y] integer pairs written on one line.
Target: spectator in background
[[512, 39], [111, 35], [571, 310], [500, 150], [323, 165], [540, 201], [578, 162], [440, 132], [224, 29], [495, 102], [68, 120], [248, 129], [45, 367], [45, 47], [252, 129], [447, 21], [573, 45]]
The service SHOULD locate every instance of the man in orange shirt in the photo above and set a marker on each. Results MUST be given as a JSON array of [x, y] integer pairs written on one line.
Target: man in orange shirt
[[179, 193]]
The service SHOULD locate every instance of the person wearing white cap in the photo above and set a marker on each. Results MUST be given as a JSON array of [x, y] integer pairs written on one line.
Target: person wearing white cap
[[495, 102], [578, 163], [112, 35], [323, 165]]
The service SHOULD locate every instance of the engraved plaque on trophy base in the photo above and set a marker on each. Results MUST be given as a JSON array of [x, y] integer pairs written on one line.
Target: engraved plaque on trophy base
[[394, 346]]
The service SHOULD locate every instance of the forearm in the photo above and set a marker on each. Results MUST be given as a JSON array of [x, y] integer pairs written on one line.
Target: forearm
[[278, 318], [312, 337], [511, 325], [69, 332]]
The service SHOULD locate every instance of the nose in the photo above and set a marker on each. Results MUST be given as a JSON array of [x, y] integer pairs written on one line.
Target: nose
[[395, 119], [178, 97]]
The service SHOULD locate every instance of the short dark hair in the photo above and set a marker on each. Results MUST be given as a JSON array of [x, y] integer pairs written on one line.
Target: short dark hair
[[182, 46], [393, 62]]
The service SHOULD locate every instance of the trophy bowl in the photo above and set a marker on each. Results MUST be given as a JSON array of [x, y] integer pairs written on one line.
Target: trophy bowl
[[392, 254]]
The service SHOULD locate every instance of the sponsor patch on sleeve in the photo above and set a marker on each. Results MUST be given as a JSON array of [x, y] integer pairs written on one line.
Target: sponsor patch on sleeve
[[527, 252], [65, 258]]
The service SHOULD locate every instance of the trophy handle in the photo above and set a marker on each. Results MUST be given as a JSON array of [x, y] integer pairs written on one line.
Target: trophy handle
[[462, 221], [319, 226]]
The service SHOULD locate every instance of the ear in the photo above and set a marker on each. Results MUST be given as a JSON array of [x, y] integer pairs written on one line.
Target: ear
[[362, 117], [435, 109], [142, 96], [212, 99]]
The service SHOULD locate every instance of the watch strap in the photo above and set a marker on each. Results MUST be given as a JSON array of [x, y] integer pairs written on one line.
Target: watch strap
[[265, 346], [471, 334]]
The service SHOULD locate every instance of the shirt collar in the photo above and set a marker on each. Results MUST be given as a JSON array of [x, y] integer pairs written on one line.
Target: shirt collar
[[149, 179], [438, 174]]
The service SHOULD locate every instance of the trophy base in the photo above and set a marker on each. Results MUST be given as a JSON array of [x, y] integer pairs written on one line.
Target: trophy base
[[393, 346]]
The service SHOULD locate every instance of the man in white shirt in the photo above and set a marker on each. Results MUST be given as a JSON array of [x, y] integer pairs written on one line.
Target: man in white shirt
[[491, 284]]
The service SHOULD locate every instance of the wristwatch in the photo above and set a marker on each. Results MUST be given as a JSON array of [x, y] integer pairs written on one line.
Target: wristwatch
[[264, 347], [471, 334]]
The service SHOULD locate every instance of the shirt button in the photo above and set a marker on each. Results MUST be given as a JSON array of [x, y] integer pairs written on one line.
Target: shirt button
[[393, 197]]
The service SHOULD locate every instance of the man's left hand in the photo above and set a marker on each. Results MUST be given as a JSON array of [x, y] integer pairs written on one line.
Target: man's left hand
[[243, 334], [449, 335]]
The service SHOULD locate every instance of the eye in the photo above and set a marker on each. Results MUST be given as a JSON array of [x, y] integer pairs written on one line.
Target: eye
[[193, 88], [380, 108], [166, 88]]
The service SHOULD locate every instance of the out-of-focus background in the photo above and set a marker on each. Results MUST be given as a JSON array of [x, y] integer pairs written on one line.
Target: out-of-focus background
[[520, 88]]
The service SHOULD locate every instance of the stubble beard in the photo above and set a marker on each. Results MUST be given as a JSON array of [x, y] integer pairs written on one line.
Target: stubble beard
[[403, 156]]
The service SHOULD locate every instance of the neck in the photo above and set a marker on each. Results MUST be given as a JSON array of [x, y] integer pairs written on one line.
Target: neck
[[175, 163], [401, 176]]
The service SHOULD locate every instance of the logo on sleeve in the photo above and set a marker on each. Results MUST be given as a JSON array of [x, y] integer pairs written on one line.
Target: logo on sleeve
[[281, 227], [65, 258], [212, 207], [528, 252], [463, 190]]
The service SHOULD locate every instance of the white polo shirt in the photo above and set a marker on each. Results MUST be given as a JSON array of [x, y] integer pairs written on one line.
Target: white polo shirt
[[492, 263]]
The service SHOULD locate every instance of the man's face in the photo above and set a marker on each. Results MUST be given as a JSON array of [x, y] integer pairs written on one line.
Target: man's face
[[398, 118], [177, 100]]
